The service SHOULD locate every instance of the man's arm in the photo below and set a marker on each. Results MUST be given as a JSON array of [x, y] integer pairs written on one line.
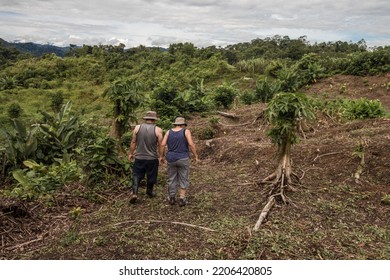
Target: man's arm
[[133, 144], [162, 146], [159, 134]]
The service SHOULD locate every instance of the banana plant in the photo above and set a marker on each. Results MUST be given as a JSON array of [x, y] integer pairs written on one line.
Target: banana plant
[[20, 142], [59, 133]]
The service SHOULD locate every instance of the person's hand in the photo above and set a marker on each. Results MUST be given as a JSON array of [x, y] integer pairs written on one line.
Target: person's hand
[[131, 157], [162, 160], [197, 160]]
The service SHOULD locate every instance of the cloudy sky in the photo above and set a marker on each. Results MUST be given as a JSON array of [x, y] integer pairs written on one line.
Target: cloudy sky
[[202, 22]]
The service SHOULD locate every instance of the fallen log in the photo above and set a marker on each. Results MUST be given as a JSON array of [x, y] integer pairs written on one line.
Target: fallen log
[[228, 115]]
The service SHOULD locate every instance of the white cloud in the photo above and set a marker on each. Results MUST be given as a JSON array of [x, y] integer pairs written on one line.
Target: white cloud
[[202, 22]]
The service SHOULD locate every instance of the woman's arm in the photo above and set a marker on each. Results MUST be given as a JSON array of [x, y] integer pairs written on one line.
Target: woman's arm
[[191, 144]]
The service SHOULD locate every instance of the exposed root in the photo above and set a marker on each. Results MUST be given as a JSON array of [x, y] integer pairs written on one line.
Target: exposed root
[[276, 192], [278, 183]]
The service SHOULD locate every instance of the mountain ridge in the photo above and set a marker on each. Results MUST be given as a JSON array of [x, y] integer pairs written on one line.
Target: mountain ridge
[[34, 48]]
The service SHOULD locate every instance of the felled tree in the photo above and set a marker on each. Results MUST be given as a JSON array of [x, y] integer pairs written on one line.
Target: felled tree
[[285, 112]]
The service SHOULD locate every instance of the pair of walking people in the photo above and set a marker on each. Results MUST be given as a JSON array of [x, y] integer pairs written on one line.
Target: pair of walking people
[[148, 148]]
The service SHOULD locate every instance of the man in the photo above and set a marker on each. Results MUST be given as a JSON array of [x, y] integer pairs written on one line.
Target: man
[[147, 138], [180, 143]]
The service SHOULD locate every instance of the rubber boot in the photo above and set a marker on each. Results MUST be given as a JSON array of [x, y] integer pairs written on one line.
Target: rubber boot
[[149, 190], [172, 200], [135, 187]]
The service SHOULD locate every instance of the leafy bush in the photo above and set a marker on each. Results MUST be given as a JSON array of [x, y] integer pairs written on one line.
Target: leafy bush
[[100, 161], [289, 80], [252, 66], [14, 110], [224, 95], [206, 133], [7, 82], [167, 110], [193, 99], [307, 60], [266, 89], [165, 122], [310, 68], [369, 63], [248, 97], [386, 199], [363, 109], [273, 68], [57, 101], [40, 180]]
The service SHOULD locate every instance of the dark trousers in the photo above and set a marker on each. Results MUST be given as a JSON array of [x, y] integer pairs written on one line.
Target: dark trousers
[[148, 167]]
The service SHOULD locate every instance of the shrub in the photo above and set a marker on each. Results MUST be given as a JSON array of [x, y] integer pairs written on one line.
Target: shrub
[[363, 109], [224, 95], [14, 110], [248, 97], [57, 101], [7, 82], [39, 180], [369, 63], [252, 66], [351, 109], [273, 68], [289, 80], [206, 133], [266, 89], [100, 161]]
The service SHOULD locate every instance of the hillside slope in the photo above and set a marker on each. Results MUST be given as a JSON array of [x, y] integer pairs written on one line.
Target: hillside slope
[[332, 216]]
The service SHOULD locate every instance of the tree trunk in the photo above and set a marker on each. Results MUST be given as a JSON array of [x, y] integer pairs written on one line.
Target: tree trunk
[[116, 131], [278, 181]]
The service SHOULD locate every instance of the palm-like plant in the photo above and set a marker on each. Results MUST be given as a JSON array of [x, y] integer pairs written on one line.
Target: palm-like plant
[[285, 111], [7, 82], [126, 96]]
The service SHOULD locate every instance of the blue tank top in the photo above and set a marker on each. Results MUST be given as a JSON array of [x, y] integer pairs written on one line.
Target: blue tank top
[[177, 145]]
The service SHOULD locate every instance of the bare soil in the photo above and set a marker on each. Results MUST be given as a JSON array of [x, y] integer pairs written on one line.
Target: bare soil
[[332, 215]]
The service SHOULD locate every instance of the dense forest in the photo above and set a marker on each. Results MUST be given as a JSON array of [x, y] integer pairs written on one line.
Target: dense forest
[[66, 120]]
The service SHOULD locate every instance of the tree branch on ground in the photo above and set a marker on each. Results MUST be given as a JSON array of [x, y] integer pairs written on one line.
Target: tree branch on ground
[[228, 115]]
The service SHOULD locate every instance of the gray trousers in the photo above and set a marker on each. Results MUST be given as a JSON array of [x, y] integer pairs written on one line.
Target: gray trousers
[[178, 175]]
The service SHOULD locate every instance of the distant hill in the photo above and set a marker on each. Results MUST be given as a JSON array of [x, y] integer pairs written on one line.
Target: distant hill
[[35, 49]]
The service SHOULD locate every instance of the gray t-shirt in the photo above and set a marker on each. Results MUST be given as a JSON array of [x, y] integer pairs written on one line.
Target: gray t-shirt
[[146, 142]]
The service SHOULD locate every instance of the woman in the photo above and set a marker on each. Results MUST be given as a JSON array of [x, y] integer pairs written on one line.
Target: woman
[[179, 143]]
